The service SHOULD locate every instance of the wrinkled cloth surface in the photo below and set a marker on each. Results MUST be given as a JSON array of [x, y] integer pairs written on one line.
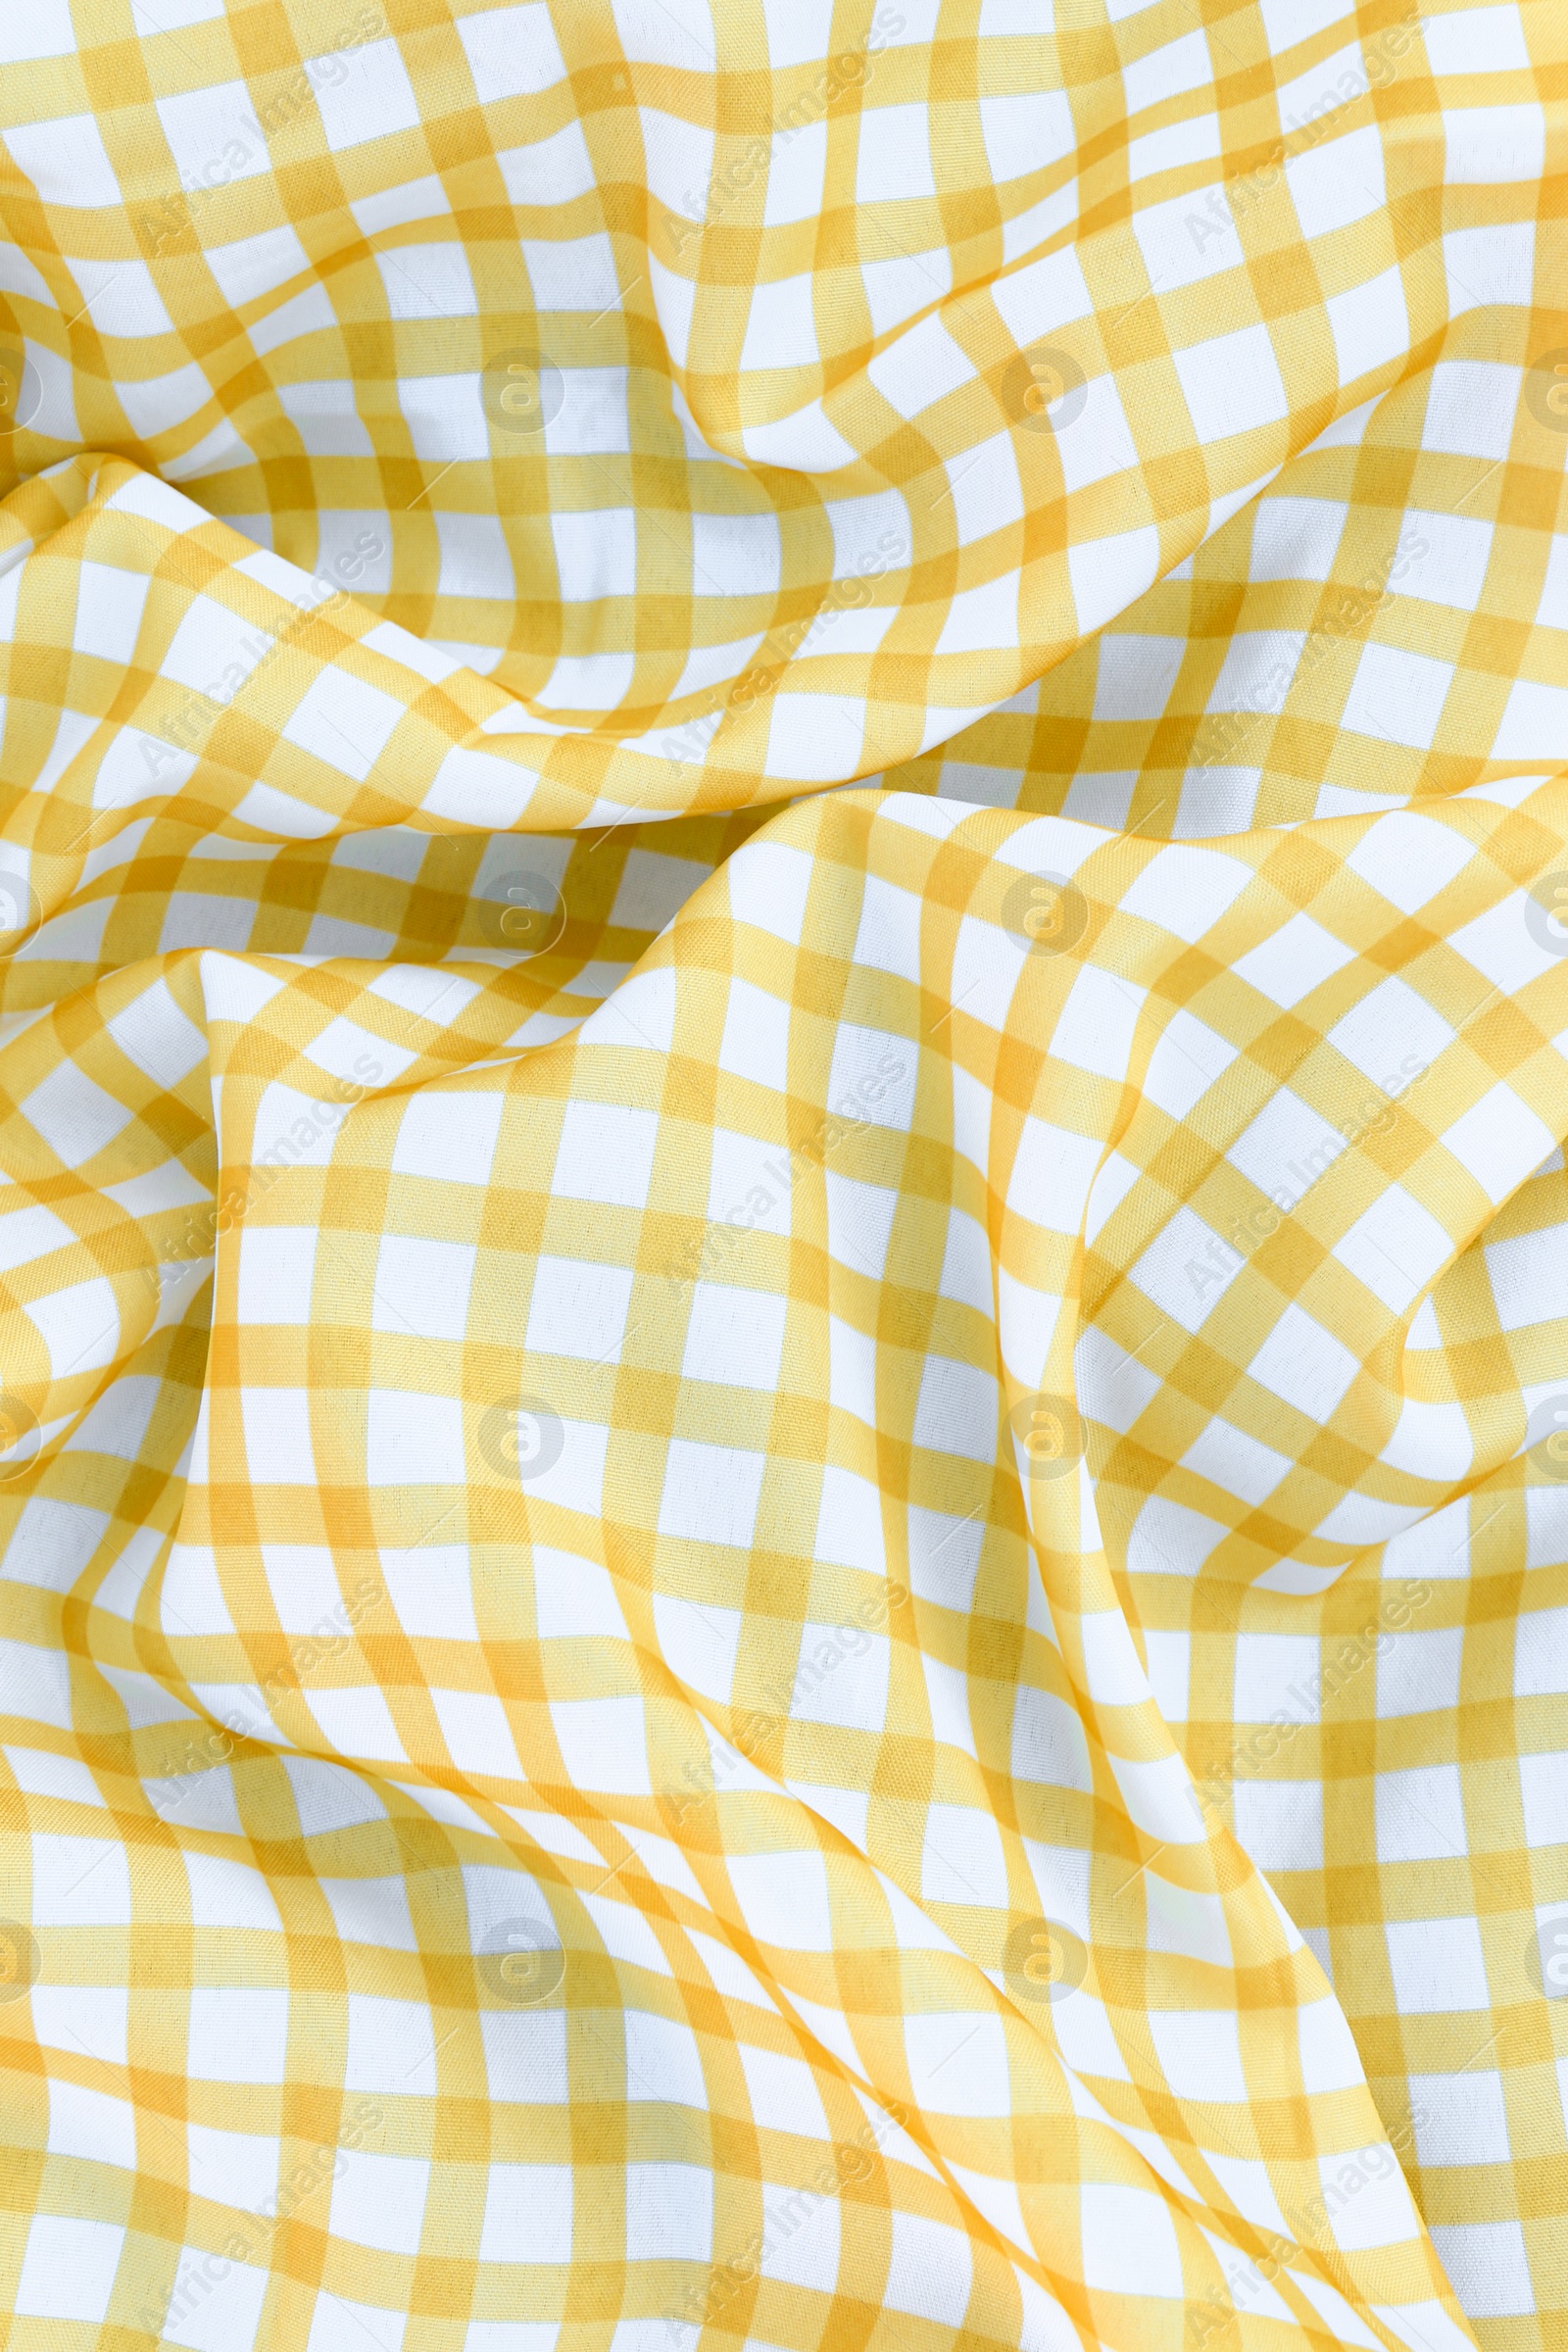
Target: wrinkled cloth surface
[[783, 1316]]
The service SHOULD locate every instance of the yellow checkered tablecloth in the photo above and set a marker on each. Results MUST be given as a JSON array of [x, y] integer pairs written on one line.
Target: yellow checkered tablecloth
[[783, 1567]]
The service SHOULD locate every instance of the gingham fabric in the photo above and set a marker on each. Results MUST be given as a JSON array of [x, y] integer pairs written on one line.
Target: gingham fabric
[[796, 1578]]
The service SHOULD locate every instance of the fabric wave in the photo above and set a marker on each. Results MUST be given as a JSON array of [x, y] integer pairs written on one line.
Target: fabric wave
[[782, 1567]]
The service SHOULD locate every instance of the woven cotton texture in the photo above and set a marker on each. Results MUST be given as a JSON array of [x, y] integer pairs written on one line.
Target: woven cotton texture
[[783, 1567]]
